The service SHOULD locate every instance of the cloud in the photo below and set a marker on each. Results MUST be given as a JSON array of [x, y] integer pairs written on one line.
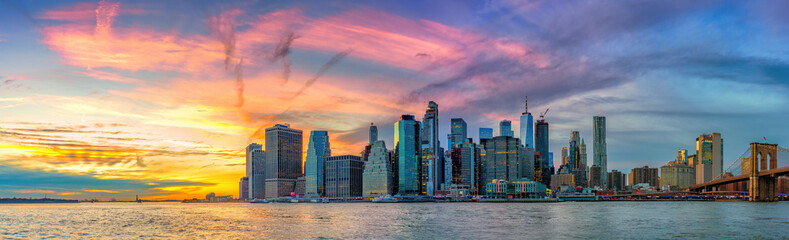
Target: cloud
[[99, 191], [69, 193], [34, 191], [105, 16]]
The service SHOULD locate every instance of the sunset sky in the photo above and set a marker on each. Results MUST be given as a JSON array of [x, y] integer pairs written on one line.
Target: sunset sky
[[114, 99]]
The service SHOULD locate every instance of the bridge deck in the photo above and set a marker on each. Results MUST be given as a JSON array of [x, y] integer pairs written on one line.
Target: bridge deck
[[738, 178]]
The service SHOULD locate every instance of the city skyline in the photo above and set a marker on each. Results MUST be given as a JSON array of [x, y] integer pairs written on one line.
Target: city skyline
[[112, 99]]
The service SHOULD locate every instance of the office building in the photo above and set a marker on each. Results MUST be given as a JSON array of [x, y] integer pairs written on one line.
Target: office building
[[527, 126], [616, 180], [458, 133], [243, 188], [256, 171], [344, 176], [283, 160], [677, 173], [505, 128], [377, 176], [373, 134], [595, 179], [408, 155], [485, 133], [567, 179], [709, 157], [432, 155], [644, 175], [318, 148], [600, 154], [543, 156], [503, 159]]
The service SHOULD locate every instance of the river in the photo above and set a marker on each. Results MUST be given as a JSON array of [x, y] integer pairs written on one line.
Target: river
[[567, 220]]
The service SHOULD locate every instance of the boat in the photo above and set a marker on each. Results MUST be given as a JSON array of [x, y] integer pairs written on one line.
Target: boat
[[294, 201], [325, 200], [258, 201]]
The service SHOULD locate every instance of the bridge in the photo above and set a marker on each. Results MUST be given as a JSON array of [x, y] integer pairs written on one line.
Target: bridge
[[757, 167]]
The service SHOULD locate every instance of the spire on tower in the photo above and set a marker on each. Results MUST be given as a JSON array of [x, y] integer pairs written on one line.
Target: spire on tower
[[525, 105]]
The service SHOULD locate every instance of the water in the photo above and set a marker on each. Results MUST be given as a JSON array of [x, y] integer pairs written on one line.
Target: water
[[609, 220]]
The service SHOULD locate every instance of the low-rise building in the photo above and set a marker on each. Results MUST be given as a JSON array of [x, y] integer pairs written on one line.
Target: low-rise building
[[518, 189]]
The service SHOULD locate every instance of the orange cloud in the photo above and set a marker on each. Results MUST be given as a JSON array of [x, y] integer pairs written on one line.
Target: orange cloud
[[99, 191], [34, 191], [69, 193]]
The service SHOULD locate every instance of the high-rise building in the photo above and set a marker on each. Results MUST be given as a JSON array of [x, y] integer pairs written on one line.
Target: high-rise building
[[677, 173], [464, 157], [527, 126], [283, 160], [408, 155], [458, 133], [503, 159], [575, 165], [565, 158], [432, 156], [595, 180], [505, 128], [318, 149], [644, 175], [373, 133], [243, 188], [600, 154], [344, 176], [709, 157], [377, 175], [256, 171], [616, 180], [543, 161], [485, 133]]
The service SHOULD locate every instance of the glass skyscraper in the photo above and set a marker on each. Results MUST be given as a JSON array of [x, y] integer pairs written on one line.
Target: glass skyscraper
[[543, 163], [344, 176], [505, 128], [318, 149], [408, 155], [458, 133], [600, 156], [502, 159], [527, 127], [432, 156], [283, 160], [377, 176], [485, 133], [256, 171], [709, 157], [373, 133]]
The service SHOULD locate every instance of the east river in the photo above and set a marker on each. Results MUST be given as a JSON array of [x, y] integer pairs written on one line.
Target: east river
[[566, 220]]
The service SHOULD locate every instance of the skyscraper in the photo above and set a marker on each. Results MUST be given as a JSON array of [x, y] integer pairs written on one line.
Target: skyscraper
[[576, 166], [432, 156], [600, 156], [502, 159], [318, 149], [544, 160], [505, 128], [485, 133], [377, 175], [283, 160], [644, 175], [709, 157], [408, 155], [616, 180], [527, 126], [344, 176], [458, 133], [256, 171], [243, 188], [373, 133]]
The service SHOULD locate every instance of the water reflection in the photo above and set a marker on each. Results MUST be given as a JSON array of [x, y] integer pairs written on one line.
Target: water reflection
[[410, 221]]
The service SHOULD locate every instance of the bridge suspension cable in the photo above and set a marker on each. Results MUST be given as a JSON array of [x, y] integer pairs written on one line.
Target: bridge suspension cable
[[736, 165]]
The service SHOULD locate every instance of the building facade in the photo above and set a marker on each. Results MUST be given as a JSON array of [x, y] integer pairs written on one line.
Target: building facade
[[502, 159], [485, 133], [458, 133], [408, 155], [243, 188], [644, 175], [595, 178], [377, 175], [318, 149], [600, 149], [505, 128], [344, 176], [543, 161], [677, 173], [526, 126], [283, 160], [709, 157], [616, 180], [432, 155], [373, 134], [256, 171]]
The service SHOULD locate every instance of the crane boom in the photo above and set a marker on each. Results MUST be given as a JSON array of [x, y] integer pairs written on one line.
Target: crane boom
[[542, 116]]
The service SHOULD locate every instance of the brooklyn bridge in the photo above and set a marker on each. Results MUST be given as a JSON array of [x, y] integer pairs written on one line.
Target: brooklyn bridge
[[758, 169]]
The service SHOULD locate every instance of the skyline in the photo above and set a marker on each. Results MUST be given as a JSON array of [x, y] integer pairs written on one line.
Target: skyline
[[116, 99]]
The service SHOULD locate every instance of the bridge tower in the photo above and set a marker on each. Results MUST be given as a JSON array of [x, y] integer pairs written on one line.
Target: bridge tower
[[763, 157]]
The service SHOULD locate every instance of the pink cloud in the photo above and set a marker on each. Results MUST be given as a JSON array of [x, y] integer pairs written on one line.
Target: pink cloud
[[102, 75]]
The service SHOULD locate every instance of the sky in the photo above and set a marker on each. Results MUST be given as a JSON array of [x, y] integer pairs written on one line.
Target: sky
[[113, 99]]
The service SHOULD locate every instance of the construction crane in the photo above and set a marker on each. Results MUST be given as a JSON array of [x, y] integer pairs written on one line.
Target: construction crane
[[542, 115]]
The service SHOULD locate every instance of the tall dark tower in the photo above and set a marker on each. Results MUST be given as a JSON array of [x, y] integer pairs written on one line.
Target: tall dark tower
[[542, 171]]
